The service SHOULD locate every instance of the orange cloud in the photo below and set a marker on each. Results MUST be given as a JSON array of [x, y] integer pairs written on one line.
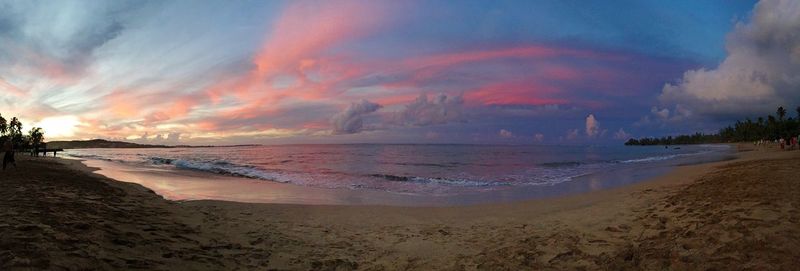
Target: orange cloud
[[178, 107], [122, 104]]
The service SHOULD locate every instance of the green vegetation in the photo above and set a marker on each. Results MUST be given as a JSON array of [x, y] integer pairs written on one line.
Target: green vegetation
[[13, 130], [36, 137], [771, 128], [102, 143], [98, 143]]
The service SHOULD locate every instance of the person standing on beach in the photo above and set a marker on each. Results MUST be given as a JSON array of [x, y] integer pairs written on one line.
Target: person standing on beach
[[8, 157]]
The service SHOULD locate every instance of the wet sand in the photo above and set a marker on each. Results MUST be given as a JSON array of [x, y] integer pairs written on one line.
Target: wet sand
[[739, 214]]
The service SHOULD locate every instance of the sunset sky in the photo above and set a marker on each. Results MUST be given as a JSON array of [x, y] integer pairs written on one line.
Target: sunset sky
[[538, 72]]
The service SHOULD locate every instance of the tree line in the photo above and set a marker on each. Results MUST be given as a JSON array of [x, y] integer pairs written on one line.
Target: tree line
[[12, 130], [772, 127]]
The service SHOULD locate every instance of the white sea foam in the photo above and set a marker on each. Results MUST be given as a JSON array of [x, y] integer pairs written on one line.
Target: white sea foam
[[92, 157], [408, 169], [227, 168], [441, 181], [662, 157]]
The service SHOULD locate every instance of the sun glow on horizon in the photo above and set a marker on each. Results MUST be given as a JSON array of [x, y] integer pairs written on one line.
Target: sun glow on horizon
[[58, 127]]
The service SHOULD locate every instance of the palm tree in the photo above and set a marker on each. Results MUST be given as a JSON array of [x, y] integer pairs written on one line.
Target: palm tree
[[15, 130], [4, 125], [781, 113], [771, 126], [798, 113], [36, 137], [15, 126]]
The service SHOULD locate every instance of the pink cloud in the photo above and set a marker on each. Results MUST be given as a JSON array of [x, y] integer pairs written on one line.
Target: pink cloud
[[300, 46], [425, 68], [9, 88], [305, 29], [524, 92], [37, 64], [533, 51], [123, 104], [296, 46]]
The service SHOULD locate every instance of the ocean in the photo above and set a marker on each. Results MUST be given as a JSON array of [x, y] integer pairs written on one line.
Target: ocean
[[423, 174]]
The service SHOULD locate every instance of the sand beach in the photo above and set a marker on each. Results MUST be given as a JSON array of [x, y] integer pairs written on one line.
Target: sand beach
[[740, 214]]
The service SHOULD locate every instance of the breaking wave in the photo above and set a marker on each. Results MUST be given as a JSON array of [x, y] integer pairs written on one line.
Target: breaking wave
[[220, 167], [439, 181]]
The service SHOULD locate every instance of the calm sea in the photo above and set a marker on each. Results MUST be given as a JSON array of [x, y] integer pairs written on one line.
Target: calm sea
[[423, 170]]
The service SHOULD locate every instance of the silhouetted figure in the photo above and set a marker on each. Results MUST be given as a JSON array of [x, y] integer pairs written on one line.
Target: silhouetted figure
[[8, 158]]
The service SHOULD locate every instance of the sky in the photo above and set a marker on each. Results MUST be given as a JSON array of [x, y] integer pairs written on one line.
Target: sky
[[282, 72]]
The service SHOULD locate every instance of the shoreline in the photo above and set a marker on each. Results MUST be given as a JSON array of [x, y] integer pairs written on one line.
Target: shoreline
[[56, 208], [186, 185]]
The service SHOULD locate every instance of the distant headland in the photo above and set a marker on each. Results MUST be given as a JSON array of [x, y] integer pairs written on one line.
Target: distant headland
[[102, 143]]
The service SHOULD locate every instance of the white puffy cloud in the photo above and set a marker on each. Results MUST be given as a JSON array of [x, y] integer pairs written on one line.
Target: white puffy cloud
[[350, 121], [760, 72], [592, 126], [173, 137], [538, 137], [664, 115], [505, 133], [422, 112], [621, 134], [159, 138], [661, 113], [572, 134]]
